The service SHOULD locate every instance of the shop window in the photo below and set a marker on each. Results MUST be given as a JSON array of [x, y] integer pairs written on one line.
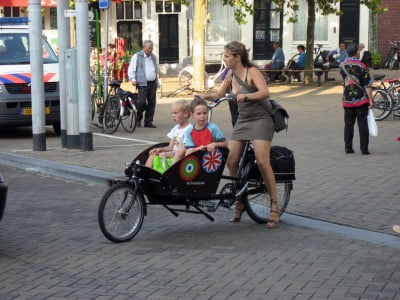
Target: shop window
[[167, 7], [129, 10], [11, 12]]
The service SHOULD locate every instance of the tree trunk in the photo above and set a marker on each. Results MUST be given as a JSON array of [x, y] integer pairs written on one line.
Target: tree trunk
[[308, 75], [199, 29]]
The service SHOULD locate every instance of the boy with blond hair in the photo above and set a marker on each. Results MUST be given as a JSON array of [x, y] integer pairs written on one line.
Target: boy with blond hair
[[162, 158]]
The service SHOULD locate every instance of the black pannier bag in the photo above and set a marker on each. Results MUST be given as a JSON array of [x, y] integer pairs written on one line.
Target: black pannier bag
[[282, 162]]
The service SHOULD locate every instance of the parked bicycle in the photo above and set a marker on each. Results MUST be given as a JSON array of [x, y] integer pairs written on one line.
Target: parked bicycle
[[392, 61], [386, 96], [185, 76], [97, 99], [120, 108]]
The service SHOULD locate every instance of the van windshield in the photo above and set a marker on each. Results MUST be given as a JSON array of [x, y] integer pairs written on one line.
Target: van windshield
[[14, 49]]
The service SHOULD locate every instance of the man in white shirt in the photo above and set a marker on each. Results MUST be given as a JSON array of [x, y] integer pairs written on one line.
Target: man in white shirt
[[142, 73]]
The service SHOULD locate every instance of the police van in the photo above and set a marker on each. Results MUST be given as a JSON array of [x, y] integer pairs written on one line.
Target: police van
[[15, 77]]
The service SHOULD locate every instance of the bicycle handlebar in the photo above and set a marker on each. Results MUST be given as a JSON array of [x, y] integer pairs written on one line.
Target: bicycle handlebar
[[217, 102]]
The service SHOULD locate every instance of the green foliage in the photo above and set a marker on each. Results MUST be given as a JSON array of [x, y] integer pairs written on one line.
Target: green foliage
[[126, 58], [376, 59], [242, 8]]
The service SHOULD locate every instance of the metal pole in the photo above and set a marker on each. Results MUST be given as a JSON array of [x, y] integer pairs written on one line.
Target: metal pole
[[82, 49], [37, 85], [105, 84], [63, 44]]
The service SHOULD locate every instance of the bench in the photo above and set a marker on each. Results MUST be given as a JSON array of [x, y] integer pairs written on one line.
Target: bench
[[319, 72]]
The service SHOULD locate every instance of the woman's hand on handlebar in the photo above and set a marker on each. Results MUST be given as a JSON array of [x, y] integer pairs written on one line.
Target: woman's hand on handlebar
[[241, 98]]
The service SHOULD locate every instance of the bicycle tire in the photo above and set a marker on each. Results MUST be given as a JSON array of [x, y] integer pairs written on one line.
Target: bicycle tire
[[121, 212], [394, 64], [128, 122], [185, 76], [97, 109], [258, 205], [257, 200], [111, 118], [382, 103]]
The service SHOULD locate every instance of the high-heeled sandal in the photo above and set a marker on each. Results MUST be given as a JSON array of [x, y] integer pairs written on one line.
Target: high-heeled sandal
[[239, 209], [271, 224]]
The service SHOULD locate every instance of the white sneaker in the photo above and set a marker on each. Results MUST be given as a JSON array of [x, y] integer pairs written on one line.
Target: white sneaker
[[396, 228]]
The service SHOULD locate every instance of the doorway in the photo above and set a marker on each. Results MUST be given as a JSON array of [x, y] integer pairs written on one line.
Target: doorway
[[349, 21], [267, 28], [168, 38]]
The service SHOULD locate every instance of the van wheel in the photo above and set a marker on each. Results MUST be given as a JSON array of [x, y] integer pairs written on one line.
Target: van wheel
[[57, 128]]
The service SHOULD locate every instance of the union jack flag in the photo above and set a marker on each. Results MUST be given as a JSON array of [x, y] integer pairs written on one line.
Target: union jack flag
[[212, 161]]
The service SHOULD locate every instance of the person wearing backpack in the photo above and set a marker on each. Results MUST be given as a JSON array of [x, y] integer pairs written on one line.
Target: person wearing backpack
[[357, 99]]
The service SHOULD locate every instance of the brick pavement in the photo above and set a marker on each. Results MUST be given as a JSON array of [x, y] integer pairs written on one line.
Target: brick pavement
[[51, 248], [354, 190]]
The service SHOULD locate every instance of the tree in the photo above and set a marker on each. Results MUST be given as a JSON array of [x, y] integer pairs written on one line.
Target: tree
[[325, 7], [242, 8]]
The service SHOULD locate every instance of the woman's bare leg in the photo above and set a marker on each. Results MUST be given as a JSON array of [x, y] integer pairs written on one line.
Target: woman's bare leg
[[262, 152], [235, 152]]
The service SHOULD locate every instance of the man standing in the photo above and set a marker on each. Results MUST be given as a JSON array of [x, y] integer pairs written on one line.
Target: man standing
[[357, 98], [142, 73]]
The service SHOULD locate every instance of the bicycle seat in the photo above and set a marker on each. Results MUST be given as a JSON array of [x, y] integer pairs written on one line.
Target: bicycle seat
[[115, 83], [319, 45], [124, 93], [391, 80], [378, 76]]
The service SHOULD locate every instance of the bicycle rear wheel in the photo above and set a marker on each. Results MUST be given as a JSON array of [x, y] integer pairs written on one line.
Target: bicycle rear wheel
[[382, 103], [121, 212], [111, 117], [258, 205], [185, 75], [128, 122]]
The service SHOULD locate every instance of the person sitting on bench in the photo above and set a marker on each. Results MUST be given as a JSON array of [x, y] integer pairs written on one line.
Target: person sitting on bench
[[336, 57], [277, 63]]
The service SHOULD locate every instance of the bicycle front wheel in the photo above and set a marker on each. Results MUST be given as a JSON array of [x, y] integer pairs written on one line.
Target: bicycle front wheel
[[382, 104], [128, 121], [121, 212], [111, 117], [258, 205]]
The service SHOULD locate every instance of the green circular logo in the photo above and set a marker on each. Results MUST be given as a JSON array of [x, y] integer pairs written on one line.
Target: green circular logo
[[189, 168]]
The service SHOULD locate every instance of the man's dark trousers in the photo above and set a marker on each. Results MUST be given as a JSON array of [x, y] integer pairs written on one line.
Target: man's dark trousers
[[146, 102], [350, 115]]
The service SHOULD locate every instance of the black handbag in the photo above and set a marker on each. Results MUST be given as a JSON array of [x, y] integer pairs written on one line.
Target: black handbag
[[278, 114]]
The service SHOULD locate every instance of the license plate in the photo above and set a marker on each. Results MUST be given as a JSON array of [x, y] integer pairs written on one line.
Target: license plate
[[27, 111]]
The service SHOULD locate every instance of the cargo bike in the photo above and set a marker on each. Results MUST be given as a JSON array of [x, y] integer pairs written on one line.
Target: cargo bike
[[192, 186]]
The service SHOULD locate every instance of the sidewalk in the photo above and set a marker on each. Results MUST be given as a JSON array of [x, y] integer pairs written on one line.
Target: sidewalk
[[352, 190]]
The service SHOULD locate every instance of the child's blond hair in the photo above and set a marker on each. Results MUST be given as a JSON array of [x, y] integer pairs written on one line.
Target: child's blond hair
[[182, 105]]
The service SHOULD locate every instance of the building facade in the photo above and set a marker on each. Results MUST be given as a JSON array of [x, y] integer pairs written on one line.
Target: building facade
[[169, 26]]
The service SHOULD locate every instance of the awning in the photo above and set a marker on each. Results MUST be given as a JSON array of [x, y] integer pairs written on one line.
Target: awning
[[24, 3]]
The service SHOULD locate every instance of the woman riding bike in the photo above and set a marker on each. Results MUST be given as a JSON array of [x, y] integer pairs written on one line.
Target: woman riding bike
[[248, 85]]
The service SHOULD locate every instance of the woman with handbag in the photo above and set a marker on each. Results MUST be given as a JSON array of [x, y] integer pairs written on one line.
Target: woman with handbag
[[246, 83]]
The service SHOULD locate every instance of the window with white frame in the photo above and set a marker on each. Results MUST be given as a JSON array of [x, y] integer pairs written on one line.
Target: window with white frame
[[167, 7], [129, 10], [300, 28], [222, 26]]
